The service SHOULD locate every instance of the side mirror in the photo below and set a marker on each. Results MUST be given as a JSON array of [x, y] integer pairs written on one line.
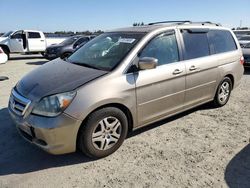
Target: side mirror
[[147, 63]]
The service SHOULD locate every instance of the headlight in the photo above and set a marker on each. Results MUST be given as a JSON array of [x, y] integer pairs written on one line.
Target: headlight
[[54, 105]]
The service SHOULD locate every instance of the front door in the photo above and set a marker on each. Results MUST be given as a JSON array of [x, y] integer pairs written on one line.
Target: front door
[[17, 41], [160, 91]]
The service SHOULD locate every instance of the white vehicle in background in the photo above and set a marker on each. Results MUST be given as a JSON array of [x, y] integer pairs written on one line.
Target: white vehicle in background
[[3, 56], [240, 33], [26, 41], [244, 40]]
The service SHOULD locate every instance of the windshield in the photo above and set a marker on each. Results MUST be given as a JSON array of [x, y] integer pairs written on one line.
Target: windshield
[[7, 34], [70, 40], [106, 51]]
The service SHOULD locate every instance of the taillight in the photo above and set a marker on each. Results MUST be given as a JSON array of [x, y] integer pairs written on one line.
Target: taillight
[[242, 61]]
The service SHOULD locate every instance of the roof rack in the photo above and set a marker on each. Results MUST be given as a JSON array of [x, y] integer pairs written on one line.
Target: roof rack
[[185, 22], [207, 22], [178, 22]]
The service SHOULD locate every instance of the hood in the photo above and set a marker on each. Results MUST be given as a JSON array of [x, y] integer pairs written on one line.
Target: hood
[[3, 39], [57, 76], [55, 46]]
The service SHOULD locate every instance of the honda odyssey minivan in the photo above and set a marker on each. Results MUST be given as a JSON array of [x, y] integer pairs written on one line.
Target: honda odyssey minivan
[[122, 80]]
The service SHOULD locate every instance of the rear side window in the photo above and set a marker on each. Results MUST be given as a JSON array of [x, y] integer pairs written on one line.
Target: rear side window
[[196, 44], [163, 47], [221, 41], [33, 35]]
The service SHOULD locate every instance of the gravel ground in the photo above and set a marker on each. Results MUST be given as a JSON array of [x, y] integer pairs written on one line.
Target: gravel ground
[[203, 147]]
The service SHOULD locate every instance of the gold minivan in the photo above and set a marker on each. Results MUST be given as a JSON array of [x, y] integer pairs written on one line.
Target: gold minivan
[[122, 80]]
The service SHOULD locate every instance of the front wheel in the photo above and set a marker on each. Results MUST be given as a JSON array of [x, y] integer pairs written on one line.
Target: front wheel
[[42, 53], [103, 133], [223, 92]]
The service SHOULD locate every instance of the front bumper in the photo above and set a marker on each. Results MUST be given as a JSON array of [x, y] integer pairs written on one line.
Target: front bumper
[[55, 135], [50, 56]]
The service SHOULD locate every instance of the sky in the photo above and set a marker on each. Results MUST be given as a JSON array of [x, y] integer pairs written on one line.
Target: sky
[[82, 15]]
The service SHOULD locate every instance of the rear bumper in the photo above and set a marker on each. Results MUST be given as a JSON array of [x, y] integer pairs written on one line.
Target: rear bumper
[[54, 135]]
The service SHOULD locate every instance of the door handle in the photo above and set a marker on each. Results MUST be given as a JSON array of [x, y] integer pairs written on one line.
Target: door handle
[[42, 40], [192, 68], [20, 40], [177, 71]]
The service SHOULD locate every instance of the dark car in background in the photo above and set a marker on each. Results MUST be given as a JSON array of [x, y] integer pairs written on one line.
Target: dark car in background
[[67, 47], [246, 54]]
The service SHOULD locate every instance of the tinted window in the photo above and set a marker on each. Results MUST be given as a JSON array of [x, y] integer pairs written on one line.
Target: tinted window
[[69, 40], [196, 45], [17, 35], [33, 35], [221, 41], [163, 47], [81, 40]]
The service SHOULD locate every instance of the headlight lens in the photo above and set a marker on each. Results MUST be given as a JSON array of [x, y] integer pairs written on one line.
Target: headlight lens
[[54, 105]]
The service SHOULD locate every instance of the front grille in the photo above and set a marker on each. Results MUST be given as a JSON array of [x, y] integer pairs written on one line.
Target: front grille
[[51, 51], [18, 103]]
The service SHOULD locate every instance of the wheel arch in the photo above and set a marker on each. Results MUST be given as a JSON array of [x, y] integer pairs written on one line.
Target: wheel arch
[[3, 46], [231, 78], [120, 106]]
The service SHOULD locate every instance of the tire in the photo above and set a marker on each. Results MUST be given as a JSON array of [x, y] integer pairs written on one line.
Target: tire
[[66, 54], [103, 132], [223, 92]]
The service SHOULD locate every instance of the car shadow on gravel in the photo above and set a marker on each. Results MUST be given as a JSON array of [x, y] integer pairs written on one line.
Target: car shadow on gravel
[[24, 57], [18, 156], [237, 173], [36, 62]]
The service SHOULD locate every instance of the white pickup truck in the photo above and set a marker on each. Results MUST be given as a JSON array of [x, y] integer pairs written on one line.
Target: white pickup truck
[[26, 41]]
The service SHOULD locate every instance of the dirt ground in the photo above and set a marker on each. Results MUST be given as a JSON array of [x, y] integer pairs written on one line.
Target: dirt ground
[[204, 147]]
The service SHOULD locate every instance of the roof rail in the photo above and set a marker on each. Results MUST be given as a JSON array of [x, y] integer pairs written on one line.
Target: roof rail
[[184, 22], [207, 22], [178, 22]]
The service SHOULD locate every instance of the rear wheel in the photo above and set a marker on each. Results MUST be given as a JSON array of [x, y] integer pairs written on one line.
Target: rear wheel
[[223, 92], [103, 133]]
